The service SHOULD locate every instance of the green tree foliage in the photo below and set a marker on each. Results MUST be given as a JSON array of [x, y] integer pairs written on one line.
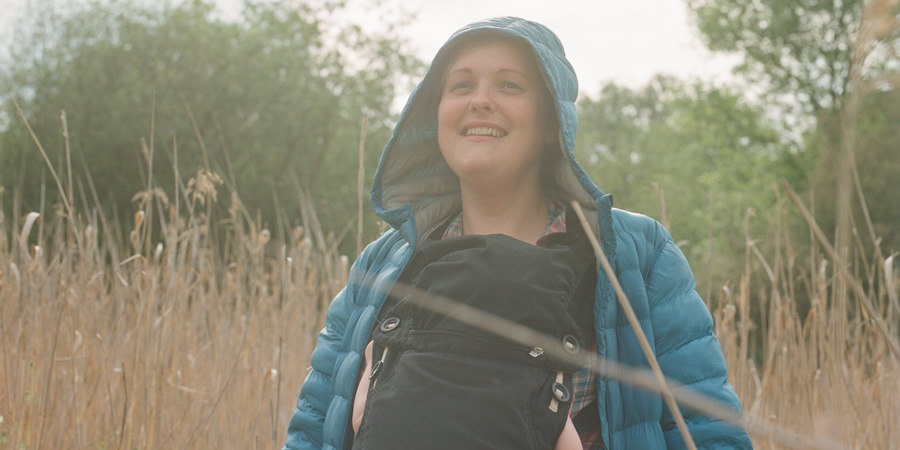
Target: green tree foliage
[[702, 152], [799, 50], [810, 58], [877, 158], [879, 131], [272, 102]]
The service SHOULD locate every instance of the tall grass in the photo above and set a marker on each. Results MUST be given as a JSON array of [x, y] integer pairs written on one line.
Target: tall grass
[[186, 343], [111, 340], [826, 372], [180, 331]]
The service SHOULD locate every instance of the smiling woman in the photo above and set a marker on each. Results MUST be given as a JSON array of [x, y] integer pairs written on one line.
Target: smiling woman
[[495, 120], [475, 183]]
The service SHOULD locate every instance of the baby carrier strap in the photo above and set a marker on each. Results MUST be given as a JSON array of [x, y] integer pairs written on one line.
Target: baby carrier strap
[[441, 383], [532, 286]]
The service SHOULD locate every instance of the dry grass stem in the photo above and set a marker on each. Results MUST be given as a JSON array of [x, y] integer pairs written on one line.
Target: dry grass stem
[[106, 346], [636, 326], [360, 182]]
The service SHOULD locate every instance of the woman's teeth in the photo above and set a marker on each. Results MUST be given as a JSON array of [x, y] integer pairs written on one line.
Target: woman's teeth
[[484, 131]]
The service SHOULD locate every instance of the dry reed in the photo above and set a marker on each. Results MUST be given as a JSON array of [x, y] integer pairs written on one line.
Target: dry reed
[[202, 340], [106, 345], [199, 344]]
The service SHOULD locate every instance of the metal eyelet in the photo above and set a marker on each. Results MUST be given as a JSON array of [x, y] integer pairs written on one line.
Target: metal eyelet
[[570, 344], [390, 324], [561, 392]]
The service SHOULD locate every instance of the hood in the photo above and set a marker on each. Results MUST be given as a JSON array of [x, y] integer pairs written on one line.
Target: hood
[[414, 189]]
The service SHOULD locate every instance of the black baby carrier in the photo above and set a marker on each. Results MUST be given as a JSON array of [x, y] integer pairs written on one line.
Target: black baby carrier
[[438, 383]]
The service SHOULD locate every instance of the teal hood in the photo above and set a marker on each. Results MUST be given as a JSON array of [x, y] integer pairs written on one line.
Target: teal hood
[[414, 189]]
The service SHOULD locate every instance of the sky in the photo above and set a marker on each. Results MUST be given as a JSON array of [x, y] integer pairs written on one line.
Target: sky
[[624, 41]]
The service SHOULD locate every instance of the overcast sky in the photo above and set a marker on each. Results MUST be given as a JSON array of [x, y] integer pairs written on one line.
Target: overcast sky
[[626, 41]]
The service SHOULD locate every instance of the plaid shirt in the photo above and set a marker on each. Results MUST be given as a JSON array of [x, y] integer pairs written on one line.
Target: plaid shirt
[[584, 382], [556, 222], [584, 387]]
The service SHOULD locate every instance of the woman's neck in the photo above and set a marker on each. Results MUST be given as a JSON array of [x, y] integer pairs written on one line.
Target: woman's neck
[[521, 215]]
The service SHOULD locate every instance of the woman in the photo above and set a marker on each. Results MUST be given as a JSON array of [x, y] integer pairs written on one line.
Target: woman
[[484, 148]]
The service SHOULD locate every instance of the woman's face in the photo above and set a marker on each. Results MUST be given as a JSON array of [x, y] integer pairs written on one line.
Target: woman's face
[[495, 115]]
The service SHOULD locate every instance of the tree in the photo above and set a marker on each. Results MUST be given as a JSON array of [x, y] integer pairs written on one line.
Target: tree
[[800, 51], [271, 102], [703, 152], [817, 61]]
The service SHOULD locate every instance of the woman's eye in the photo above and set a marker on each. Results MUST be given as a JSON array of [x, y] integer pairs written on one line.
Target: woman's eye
[[460, 85], [510, 85]]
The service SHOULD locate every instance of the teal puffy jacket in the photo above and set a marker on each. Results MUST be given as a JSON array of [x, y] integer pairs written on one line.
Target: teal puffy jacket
[[416, 192]]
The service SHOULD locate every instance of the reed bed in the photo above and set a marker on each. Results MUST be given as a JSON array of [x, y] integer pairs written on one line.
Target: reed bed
[[822, 368], [200, 338], [186, 343], [183, 329]]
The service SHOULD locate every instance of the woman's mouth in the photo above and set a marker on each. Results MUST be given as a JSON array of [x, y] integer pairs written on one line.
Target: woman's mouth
[[484, 131]]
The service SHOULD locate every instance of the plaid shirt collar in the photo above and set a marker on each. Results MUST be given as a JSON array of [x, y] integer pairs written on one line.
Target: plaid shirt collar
[[556, 222]]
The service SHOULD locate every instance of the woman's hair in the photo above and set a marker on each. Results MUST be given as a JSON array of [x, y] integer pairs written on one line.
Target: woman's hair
[[552, 155]]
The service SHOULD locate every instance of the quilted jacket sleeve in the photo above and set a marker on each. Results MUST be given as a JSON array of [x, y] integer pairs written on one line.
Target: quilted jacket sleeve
[[325, 402], [687, 349], [305, 430]]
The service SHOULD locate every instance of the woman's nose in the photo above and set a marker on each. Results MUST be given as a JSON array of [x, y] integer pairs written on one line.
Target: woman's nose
[[481, 101]]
